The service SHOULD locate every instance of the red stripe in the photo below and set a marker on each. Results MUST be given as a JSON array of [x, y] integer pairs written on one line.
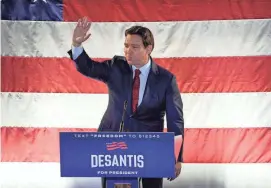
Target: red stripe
[[235, 145], [33, 144], [111, 145], [110, 149], [216, 74], [160, 10]]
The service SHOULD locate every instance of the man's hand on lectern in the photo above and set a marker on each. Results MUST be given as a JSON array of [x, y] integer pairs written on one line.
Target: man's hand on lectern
[[178, 168], [80, 34]]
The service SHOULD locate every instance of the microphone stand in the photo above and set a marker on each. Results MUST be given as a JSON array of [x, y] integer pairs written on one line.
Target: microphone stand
[[122, 119]]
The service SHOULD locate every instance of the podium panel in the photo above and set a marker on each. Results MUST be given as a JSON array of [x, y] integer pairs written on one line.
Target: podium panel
[[117, 154]]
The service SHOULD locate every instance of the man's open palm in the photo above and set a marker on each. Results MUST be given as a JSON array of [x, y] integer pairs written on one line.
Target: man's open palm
[[80, 33]]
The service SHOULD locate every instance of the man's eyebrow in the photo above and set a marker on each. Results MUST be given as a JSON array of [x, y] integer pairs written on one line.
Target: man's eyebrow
[[132, 44]]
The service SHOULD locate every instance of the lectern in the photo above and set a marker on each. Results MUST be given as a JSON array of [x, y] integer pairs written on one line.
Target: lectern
[[120, 157]]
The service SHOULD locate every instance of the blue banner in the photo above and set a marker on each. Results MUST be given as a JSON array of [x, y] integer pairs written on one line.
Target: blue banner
[[103, 154]]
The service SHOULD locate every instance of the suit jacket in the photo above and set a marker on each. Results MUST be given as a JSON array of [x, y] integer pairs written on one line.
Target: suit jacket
[[161, 96]]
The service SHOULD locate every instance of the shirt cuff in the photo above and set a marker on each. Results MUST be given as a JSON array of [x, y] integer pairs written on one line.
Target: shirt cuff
[[76, 51]]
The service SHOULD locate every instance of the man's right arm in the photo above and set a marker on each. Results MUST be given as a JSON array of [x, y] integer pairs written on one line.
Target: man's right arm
[[88, 67], [84, 64]]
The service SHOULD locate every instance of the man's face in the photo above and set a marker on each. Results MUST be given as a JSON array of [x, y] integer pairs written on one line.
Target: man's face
[[134, 50]]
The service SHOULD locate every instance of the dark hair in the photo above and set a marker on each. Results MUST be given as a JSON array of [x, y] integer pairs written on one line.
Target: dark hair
[[145, 33]]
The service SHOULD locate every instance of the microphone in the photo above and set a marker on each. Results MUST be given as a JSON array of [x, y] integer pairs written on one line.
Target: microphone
[[122, 119]]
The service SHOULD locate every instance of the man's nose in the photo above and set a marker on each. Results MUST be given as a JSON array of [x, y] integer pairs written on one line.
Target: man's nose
[[128, 53], [129, 50]]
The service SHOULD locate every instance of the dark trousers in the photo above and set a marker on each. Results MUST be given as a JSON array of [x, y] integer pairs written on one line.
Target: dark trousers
[[146, 183]]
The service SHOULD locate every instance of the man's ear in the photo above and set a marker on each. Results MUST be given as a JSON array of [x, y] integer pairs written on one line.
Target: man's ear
[[149, 49]]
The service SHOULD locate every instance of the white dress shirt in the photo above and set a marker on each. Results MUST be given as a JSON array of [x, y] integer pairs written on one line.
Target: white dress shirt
[[143, 79]]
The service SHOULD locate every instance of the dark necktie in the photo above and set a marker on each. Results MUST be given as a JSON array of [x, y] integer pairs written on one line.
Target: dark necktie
[[136, 85]]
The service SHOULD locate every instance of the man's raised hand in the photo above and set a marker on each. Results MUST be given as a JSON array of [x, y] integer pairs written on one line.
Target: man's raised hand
[[80, 33]]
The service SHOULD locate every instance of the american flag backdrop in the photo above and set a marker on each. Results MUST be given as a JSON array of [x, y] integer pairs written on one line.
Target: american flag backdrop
[[219, 50]]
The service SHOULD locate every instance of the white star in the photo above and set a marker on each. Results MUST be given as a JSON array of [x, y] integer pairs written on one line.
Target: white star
[[34, 1]]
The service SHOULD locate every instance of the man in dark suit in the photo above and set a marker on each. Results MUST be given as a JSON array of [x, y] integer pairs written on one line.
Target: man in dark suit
[[151, 91]]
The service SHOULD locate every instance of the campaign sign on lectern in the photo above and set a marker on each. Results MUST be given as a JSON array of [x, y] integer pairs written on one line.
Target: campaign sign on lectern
[[117, 154]]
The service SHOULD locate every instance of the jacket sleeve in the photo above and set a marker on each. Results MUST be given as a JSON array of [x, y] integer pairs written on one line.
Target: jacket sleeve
[[174, 112], [90, 68]]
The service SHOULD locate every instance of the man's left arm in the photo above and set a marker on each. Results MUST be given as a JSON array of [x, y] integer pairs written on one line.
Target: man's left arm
[[174, 115]]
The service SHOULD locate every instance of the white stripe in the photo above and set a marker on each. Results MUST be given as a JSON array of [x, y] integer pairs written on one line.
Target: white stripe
[[86, 110], [47, 175], [172, 39]]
